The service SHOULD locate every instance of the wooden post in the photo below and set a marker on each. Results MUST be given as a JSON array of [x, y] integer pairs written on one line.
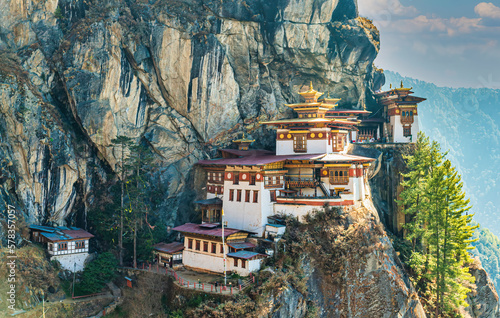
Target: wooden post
[[240, 287], [211, 287], [203, 286]]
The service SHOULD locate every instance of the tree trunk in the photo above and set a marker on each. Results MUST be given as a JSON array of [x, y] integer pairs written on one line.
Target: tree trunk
[[120, 239], [135, 243]]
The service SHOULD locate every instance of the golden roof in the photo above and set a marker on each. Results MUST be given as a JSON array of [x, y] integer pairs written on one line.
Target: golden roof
[[243, 139], [311, 93]]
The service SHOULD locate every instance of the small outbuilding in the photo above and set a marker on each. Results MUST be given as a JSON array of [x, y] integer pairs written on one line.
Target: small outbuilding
[[169, 254], [68, 245]]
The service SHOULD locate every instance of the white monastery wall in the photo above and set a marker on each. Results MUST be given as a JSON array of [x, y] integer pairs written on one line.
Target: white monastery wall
[[68, 261]]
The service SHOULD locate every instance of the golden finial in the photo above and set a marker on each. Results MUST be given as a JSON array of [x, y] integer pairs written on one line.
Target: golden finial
[[311, 86], [402, 84], [390, 86], [243, 136]]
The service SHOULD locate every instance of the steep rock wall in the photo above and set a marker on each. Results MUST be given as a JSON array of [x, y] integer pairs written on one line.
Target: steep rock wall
[[186, 75]]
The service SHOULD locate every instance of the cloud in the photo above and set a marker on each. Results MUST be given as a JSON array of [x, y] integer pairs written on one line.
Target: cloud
[[375, 8], [424, 24], [487, 10]]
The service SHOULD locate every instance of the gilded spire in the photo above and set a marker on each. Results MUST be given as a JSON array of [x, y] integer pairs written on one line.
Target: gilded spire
[[390, 86], [311, 86], [402, 84]]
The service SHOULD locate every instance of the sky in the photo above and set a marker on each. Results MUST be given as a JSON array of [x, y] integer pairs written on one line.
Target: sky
[[452, 43]]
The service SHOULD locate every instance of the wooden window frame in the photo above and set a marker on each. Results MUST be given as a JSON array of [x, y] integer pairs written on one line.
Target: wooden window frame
[[273, 195], [243, 263], [407, 131], [190, 244], [205, 246], [247, 195], [255, 196], [231, 195], [214, 248], [198, 245], [253, 177], [236, 178], [222, 248], [339, 176], [62, 246], [238, 195], [300, 142], [235, 264]]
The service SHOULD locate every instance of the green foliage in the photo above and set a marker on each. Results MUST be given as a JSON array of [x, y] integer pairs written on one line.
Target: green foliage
[[58, 13], [440, 229], [97, 273]]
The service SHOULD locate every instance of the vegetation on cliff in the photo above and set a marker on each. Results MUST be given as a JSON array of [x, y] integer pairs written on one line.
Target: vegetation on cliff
[[439, 228]]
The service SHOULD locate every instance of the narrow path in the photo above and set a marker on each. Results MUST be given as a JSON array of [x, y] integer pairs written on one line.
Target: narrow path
[[184, 282]]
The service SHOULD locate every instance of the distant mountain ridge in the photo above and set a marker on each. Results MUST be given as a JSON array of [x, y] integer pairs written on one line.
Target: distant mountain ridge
[[466, 122]]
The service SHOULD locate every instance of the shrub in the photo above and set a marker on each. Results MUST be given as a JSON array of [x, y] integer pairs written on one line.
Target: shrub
[[97, 273]]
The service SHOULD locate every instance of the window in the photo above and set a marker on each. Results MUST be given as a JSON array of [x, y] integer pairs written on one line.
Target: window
[[235, 262], [255, 196], [300, 143], [205, 247], [243, 263], [190, 244], [231, 195], [238, 196], [79, 244], [62, 246], [214, 248], [236, 178], [220, 176], [222, 249], [252, 179], [273, 182], [339, 176], [198, 242], [406, 131], [273, 195], [247, 195]]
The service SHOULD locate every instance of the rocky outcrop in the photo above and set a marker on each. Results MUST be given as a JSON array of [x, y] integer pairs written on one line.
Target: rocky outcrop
[[350, 267], [186, 76], [483, 301]]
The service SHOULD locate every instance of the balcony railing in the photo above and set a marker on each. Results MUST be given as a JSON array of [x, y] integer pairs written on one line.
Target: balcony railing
[[299, 182], [339, 180]]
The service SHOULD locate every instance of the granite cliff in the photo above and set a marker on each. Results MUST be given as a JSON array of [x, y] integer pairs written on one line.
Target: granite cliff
[[186, 76]]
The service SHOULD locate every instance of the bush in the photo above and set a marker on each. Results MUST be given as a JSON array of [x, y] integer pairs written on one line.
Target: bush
[[97, 273]]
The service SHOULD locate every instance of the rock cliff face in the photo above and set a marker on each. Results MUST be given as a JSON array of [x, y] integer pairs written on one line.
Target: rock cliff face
[[185, 75], [352, 270], [483, 302]]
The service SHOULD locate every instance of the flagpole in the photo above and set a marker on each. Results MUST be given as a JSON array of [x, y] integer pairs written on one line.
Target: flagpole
[[224, 248]]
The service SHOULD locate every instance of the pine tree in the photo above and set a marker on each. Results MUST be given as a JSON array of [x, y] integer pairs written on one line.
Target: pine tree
[[124, 143], [433, 198]]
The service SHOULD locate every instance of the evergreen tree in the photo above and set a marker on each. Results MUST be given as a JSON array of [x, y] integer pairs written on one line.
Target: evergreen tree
[[123, 142], [433, 198]]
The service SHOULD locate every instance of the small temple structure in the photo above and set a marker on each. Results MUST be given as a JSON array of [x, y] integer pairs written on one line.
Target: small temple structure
[[246, 188], [397, 119], [68, 245]]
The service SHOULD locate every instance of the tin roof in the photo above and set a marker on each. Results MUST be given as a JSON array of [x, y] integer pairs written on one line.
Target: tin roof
[[241, 245], [258, 160], [170, 248], [344, 158], [245, 255], [212, 201], [197, 229], [61, 233]]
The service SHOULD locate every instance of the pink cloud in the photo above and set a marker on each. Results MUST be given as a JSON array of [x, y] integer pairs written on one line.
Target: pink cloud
[[487, 10]]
